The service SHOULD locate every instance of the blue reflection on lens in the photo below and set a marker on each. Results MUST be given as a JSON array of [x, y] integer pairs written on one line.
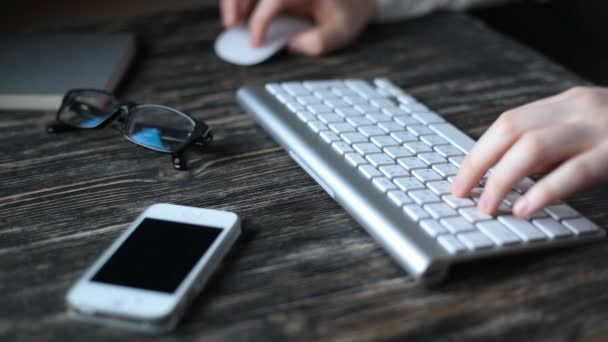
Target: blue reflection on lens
[[149, 137], [92, 122]]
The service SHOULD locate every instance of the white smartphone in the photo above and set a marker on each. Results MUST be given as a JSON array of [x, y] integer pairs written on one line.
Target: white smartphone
[[147, 277]]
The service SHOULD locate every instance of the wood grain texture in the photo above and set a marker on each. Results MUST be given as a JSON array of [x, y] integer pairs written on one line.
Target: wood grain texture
[[304, 270]]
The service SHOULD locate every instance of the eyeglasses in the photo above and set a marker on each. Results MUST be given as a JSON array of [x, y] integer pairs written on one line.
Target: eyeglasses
[[156, 127]]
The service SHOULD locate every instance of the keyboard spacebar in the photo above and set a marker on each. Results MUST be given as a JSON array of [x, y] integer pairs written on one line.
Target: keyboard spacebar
[[455, 136]]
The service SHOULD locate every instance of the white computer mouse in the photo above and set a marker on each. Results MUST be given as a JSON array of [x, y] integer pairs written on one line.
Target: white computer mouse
[[234, 44]]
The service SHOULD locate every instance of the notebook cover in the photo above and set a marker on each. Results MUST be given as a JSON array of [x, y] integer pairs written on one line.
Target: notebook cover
[[38, 68]]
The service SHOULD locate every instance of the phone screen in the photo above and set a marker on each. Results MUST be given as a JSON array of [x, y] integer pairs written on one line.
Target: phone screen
[[158, 255]]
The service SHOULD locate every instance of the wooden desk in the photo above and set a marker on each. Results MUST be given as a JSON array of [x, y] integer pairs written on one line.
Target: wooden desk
[[304, 270]]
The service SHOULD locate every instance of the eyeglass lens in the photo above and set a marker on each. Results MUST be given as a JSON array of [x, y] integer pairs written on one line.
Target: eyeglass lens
[[159, 128], [87, 109]]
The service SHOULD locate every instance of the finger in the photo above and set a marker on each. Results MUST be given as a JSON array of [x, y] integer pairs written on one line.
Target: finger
[[261, 18], [578, 173], [230, 12], [548, 145], [498, 139], [327, 36]]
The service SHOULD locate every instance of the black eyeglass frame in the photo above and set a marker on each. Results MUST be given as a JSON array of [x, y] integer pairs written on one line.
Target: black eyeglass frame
[[201, 133]]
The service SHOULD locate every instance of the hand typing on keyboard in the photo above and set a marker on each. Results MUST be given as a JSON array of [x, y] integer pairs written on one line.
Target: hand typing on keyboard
[[565, 135], [338, 22]]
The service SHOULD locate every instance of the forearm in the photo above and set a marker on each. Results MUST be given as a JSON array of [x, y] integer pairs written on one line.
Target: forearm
[[388, 10]]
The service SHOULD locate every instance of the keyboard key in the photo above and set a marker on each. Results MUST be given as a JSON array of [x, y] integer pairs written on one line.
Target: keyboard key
[[426, 175], [427, 117], [581, 226], [397, 152], [353, 138], [383, 184], [328, 118], [431, 158], [447, 150], [379, 159], [451, 244], [354, 100], [336, 103], [317, 126], [341, 127], [523, 228], [394, 111], [359, 121], [457, 225], [419, 130], [561, 211], [475, 241], [391, 126], [294, 107], [343, 91], [382, 103], [355, 159], [383, 141], [371, 131], [325, 94], [440, 187], [306, 116], [308, 100], [524, 185], [369, 171], [456, 161], [295, 88], [432, 227], [457, 202], [411, 163], [367, 109], [440, 210], [423, 196], [393, 171], [472, 214], [415, 212], [452, 134], [408, 184], [347, 112], [273, 88], [318, 109], [499, 233], [342, 147], [415, 107], [511, 197], [329, 137], [399, 198], [433, 140], [403, 137], [445, 170], [552, 228], [378, 117], [366, 148], [405, 120], [417, 147]]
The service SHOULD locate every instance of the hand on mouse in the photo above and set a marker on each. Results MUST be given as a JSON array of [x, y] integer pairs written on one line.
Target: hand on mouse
[[566, 134], [337, 22]]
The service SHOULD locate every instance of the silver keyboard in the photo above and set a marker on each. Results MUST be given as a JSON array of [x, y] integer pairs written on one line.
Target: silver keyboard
[[389, 161]]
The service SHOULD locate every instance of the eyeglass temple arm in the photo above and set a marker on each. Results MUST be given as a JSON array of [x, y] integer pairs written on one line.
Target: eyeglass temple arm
[[206, 136]]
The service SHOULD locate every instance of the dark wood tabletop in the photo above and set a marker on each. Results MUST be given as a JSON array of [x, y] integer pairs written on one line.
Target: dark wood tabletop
[[303, 269]]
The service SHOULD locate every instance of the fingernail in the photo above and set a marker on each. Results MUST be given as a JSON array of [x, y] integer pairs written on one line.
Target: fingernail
[[521, 206]]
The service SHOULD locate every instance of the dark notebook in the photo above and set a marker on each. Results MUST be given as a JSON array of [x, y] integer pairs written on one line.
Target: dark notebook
[[36, 69]]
